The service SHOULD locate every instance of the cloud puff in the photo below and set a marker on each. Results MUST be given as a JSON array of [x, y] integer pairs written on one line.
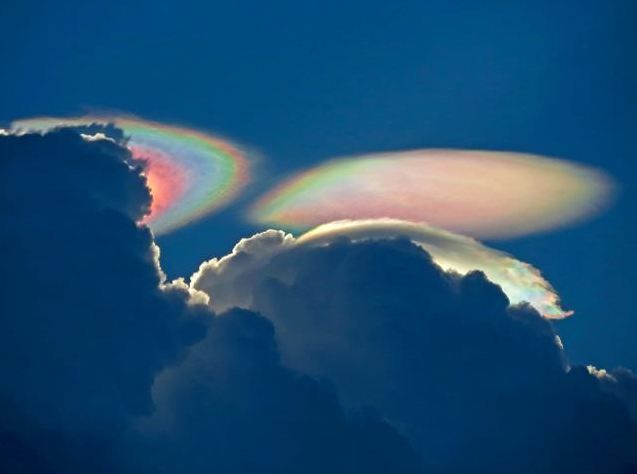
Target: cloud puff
[[475, 384]]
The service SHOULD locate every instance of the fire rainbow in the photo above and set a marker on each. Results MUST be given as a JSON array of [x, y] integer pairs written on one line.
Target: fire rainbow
[[478, 193], [190, 173]]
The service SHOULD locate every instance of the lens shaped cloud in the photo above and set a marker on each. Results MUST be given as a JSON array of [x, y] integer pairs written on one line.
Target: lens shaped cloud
[[478, 193]]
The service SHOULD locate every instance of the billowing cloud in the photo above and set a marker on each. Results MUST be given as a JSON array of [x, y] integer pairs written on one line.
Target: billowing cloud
[[190, 173], [233, 407], [87, 320], [353, 354], [106, 367], [475, 384], [520, 281], [476, 193]]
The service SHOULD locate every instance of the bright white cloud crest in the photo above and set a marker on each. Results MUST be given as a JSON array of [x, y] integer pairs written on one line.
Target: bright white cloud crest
[[520, 281]]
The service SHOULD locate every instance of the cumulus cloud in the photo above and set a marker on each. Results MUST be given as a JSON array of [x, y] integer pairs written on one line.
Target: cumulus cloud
[[232, 407], [354, 353], [230, 278], [86, 320], [475, 384], [95, 342]]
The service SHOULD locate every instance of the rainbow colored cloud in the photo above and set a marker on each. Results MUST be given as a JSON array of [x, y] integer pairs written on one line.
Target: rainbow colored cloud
[[477, 193], [190, 173]]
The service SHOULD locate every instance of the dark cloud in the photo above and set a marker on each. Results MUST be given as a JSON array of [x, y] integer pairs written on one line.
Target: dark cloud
[[87, 323], [621, 382], [232, 407], [476, 385]]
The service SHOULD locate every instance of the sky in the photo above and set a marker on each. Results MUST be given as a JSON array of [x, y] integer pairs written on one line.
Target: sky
[[303, 82], [296, 83]]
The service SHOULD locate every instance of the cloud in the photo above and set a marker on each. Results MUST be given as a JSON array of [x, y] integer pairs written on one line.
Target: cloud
[[230, 278], [190, 173], [477, 193], [475, 384], [520, 281], [619, 381], [98, 350], [232, 407], [87, 321], [353, 354]]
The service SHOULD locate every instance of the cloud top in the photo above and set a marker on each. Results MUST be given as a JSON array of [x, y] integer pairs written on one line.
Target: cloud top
[[520, 281], [475, 384]]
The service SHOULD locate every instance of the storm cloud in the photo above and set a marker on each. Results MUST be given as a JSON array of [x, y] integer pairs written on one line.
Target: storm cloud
[[87, 322], [95, 342], [476, 384], [350, 355]]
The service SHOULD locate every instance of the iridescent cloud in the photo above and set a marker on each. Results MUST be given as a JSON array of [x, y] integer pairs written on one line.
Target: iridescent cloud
[[520, 281], [190, 173], [477, 193]]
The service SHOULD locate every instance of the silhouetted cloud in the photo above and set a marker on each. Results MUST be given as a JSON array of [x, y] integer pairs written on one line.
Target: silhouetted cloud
[[232, 407], [520, 281], [621, 382], [475, 384], [88, 322], [366, 356]]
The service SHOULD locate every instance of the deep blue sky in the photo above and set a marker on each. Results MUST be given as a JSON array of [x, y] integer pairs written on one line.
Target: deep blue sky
[[302, 81]]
